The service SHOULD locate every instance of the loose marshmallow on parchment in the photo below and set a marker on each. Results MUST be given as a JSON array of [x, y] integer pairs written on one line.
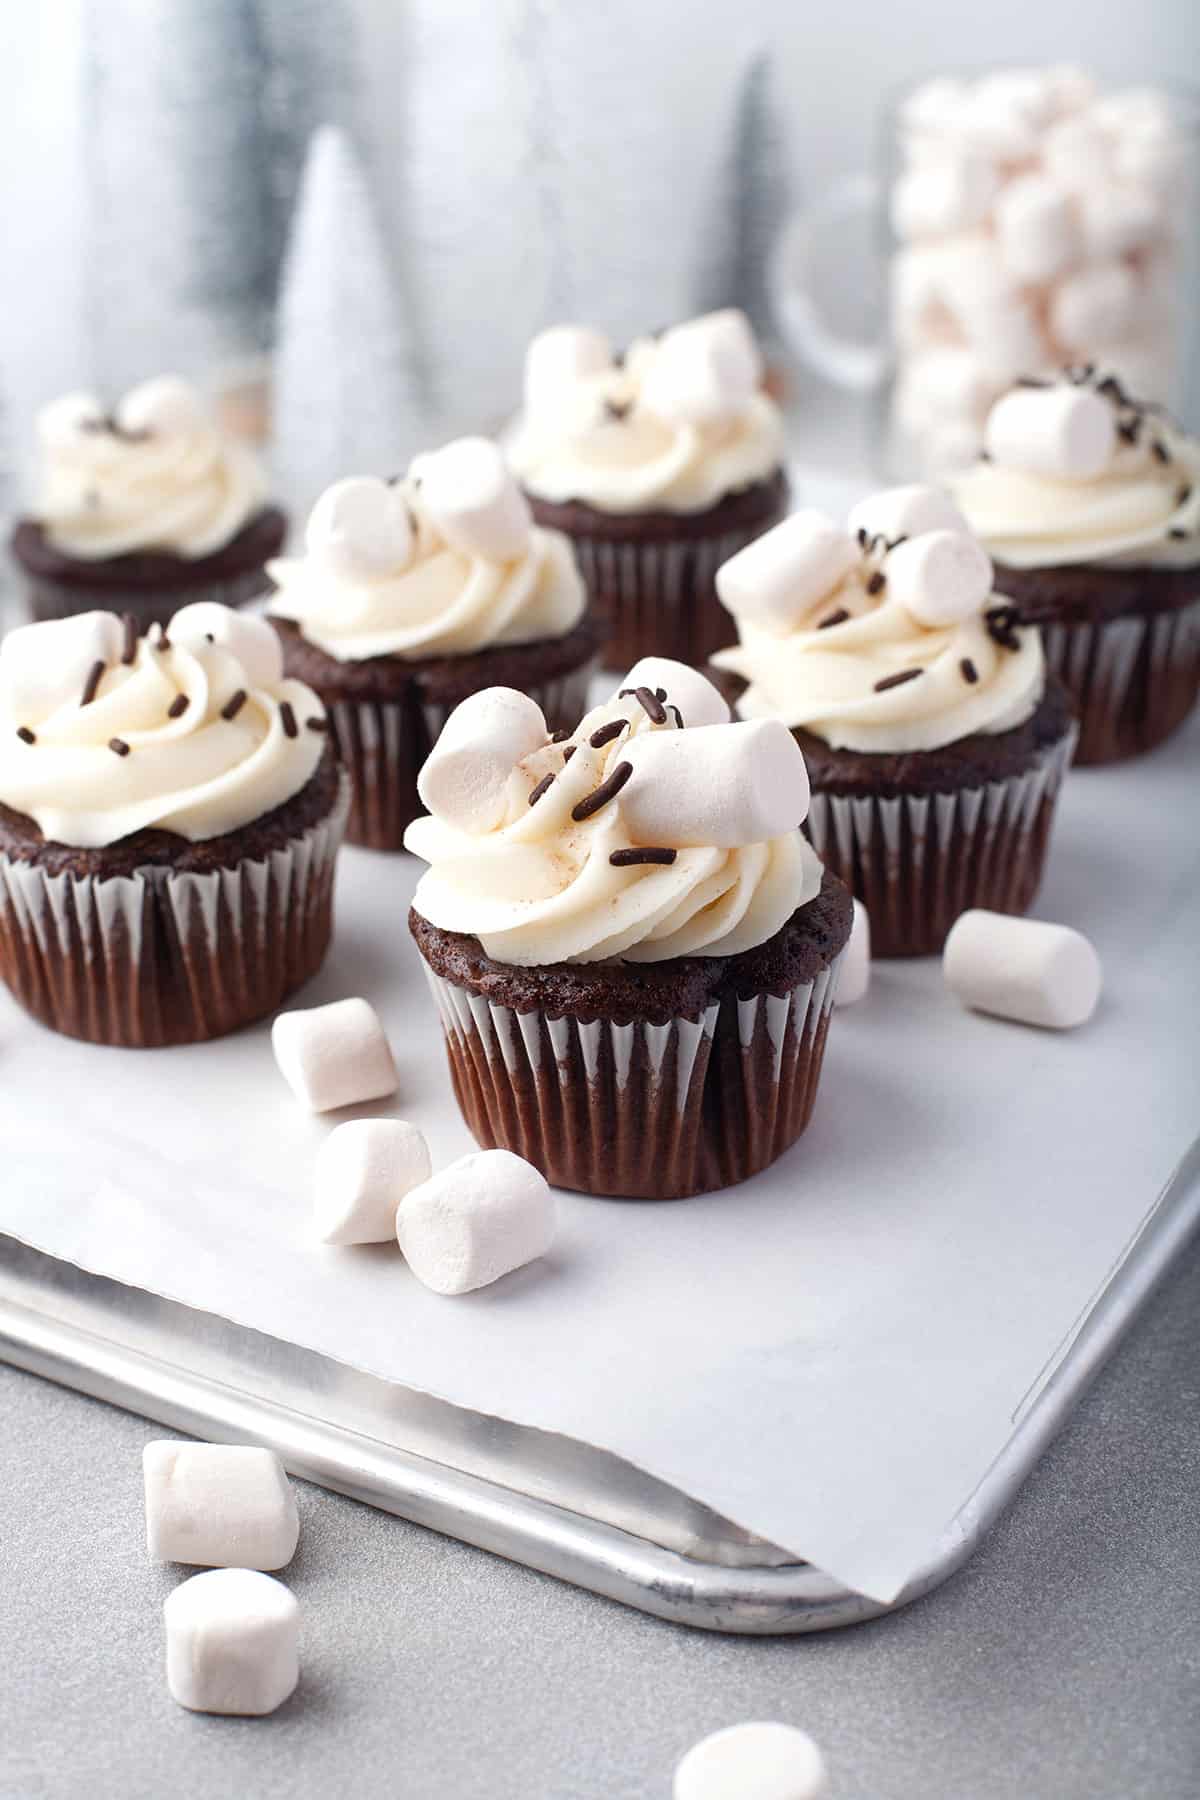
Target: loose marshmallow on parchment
[[855, 975], [906, 512], [559, 357], [939, 577], [775, 579], [233, 1642], [228, 1506], [363, 1171], [716, 785], [335, 1055], [473, 499], [1097, 304], [486, 1215], [253, 641], [45, 666], [1062, 431], [1023, 969], [704, 371], [695, 696], [755, 1761], [1037, 228], [464, 779], [360, 528]]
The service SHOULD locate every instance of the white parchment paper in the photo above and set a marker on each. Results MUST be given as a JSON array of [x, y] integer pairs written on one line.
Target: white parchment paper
[[834, 1353]]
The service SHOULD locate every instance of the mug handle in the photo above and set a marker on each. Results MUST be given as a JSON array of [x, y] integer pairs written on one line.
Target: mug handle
[[840, 359]]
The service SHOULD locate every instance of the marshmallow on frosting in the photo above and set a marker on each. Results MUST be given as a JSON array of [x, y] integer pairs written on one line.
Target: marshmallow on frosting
[[443, 563], [657, 830], [155, 474]]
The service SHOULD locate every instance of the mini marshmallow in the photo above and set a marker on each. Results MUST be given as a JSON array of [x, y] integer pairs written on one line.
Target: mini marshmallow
[[703, 371], [1098, 304], [1009, 342], [487, 1214], [233, 1642], [1155, 161], [45, 666], [1119, 217], [228, 1506], [335, 1055], [755, 1761], [1063, 431], [1037, 228], [253, 641], [1022, 969], [472, 498], [918, 312], [465, 777], [166, 404], [939, 577], [1077, 152], [718, 785], [906, 512], [941, 198], [855, 975], [942, 384], [775, 579], [935, 105], [360, 527], [363, 1171], [696, 697], [559, 357]]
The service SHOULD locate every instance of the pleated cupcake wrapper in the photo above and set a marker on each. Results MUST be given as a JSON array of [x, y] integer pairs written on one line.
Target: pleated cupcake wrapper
[[383, 744], [1134, 679], [916, 861], [165, 956], [648, 1111], [659, 597], [49, 599]]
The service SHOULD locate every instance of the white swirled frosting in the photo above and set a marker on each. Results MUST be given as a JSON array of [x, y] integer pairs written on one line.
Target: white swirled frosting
[[135, 755], [157, 474], [825, 679], [1141, 510], [599, 438], [435, 599], [540, 887]]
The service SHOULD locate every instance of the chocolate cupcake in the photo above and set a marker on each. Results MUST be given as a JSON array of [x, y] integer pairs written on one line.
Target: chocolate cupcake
[[412, 596], [935, 744], [632, 948], [143, 510], [170, 812], [1089, 504], [658, 467]]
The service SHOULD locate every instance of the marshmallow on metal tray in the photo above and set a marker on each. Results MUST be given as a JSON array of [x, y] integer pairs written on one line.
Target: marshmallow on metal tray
[[560, 356], [229, 1506], [360, 527], [233, 1642], [335, 1055], [939, 577], [1063, 431], [485, 1215], [906, 512], [703, 371], [1037, 228], [941, 198], [472, 498], [1022, 969], [363, 1171], [694, 695], [465, 777], [1097, 304], [718, 785], [755, 1761], [45, 666], [253, 641], [781, 574], [855, 976]]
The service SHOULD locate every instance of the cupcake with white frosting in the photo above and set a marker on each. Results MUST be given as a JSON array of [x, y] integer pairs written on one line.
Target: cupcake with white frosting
[[659, 465], [934, 740], [170, 811], [632, 946], [1089, 504], [413, 595], [143, 509]]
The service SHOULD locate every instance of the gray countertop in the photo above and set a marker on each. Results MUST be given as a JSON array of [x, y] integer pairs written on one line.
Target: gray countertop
[[1062, 1664]]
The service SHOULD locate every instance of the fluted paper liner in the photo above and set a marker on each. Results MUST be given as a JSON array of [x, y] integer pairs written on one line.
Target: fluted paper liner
[[1134, 678], [383, 744], [169, 957], [916, 861], [646, 1111]]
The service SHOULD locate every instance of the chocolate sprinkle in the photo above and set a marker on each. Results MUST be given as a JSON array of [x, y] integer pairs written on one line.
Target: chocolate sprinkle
[[655, 853], [316, 723], [861, 535], [1128, 430], [568, 753], [678, 715], [834, 618], [897, 680], [608, 790], [26, 736], [95, 676], [543, 786], [618, 409], [560, 736], [288, 719], [649, 702], [129, 648], [178, 707], [604, 734], [1001, 622], [1159, 451], [1176, 531], [234, 705], [118, 746], [969, 672], [660, 694], [1183, 496], [877, 583]]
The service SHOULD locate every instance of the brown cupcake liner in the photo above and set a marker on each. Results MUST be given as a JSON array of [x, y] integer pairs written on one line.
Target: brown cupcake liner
[[165, 956], [916, 861], [48, 599], [640, 1110], [1134, 678], [383, 743]]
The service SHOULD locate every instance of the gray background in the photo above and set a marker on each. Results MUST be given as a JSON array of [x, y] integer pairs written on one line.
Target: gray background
[[1062, 1664]]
